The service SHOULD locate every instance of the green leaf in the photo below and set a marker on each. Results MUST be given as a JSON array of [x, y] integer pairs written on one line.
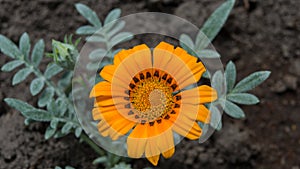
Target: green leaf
[[120, 37], [65, 80], [69, 167], [97, 54], [67, 127], [11, 65], [61, 106], [95, 38], [28, 121], [187, 44], [233, 110], [38, 53], [251, 81], [206, 75], [25, 45], [116, 28], [89, 14], [92, 66], [100, 160], [214, 23], [216, 116], [243, 98], [8, 48], [57, 167], [49, 132], [46, 96], [52, 70], [59, 134], [217, 83], [185, 40], [21, 75], [207, 53], [38, 115], [78, 132], [86, 30], [54, 123], [230, 75], [112, 16], [36, 86], [18, 104]]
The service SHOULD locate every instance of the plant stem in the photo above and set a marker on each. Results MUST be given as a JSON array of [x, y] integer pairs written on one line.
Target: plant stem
[[94, 146]]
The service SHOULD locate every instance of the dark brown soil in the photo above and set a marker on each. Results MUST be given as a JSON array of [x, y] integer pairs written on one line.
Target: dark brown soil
[[264, 36]]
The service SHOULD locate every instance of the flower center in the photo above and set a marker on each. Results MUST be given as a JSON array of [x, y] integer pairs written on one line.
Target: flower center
[[151, 95]]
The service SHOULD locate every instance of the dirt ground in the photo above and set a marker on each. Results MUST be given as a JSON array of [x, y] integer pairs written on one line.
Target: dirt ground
[[264, 36]]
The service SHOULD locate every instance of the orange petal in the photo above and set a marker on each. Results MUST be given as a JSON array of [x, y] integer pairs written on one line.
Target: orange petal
[[152, 152], [203, 114], [199, 95], [162, 54], [120, 127], [169, 153], [153, 160], [104, 89], [136, 141], [191, 133]]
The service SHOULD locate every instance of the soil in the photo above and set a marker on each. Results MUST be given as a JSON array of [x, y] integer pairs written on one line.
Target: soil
[[259, 35]]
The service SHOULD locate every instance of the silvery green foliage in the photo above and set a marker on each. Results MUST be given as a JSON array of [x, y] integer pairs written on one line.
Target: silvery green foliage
[[229, 94], [54, 104], [108, 34], [65, 54], [234, 93], [207, 33]]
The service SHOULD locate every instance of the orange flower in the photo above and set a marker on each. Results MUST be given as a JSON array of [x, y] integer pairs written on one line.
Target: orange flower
[[144, 95]]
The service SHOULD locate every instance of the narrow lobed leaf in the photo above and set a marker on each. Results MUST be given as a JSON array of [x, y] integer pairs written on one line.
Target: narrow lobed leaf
[[49, 132], [86, 30], [230, 75], [8, 48], [214, 23], [95, 38], [38, 115], [209, 54], [251, 81], [78, 132], [112, 16], [54, 123], [100, 160], [24, 44], [215, 117], [243, 98], [119, 25], [185, 40], [89, 14], [11, 65], [217, 83], [67, 128], [46, 96], [233, 110], [52, 70], [97, 54], [120, 37], [21, 75], [36, 86], [38, 53], [18, 104]]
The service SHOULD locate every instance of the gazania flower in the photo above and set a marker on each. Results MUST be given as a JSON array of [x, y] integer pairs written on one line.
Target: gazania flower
[[144, 96]]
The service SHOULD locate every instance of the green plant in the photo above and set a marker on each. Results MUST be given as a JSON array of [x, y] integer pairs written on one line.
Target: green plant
[[54, 84]]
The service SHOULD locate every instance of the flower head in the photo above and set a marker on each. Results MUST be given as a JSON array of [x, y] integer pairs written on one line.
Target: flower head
[[144, 96]]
